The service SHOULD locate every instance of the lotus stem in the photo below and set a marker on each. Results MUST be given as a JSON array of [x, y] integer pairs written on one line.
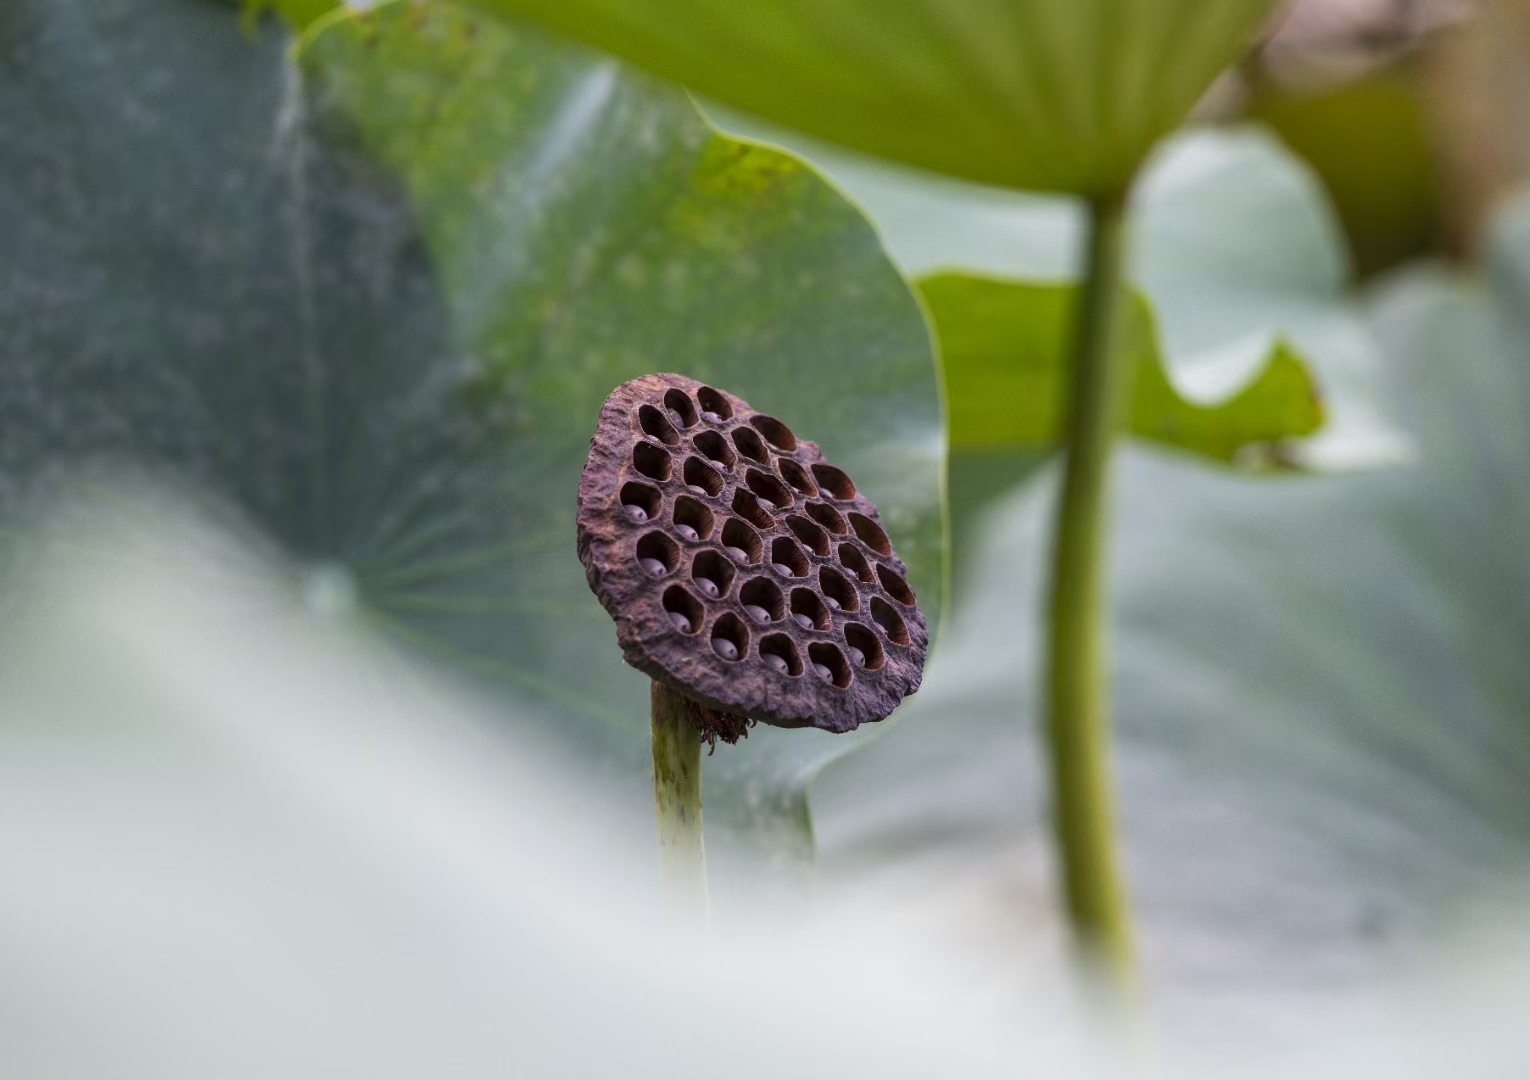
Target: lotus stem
[[1078, 697], [677, 804]]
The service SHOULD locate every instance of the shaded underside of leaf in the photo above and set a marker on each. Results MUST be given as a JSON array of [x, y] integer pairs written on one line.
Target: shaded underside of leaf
[[1004, 347], [1050, 96]]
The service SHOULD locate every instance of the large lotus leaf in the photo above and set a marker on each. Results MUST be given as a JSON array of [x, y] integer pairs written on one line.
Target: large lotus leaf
[[240, 843], [1055, 95], [1004, 351], [235, 844], [374, 302], [1234, 244], [1320, 686]]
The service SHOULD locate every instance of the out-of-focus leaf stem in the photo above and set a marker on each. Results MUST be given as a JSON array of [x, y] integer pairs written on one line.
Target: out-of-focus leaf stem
[[1077, 690]]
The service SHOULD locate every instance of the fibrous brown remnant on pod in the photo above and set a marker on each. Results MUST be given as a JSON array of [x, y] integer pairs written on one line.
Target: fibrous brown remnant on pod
[[714, 725], [743, 569]]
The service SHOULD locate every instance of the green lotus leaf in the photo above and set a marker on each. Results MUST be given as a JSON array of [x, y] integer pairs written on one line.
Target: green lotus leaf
[[370, 301], [1053, 95], [1005, 354]]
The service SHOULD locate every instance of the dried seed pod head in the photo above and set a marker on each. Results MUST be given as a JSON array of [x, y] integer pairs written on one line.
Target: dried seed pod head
[[742, 568]]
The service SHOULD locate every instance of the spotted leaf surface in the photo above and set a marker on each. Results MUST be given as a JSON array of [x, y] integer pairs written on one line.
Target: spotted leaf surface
[[368, 302]]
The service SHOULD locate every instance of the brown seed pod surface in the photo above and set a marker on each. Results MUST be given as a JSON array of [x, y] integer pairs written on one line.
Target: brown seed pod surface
[[742, 568]]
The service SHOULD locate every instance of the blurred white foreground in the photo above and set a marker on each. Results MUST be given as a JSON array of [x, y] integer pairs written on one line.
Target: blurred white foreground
[[240, 838]]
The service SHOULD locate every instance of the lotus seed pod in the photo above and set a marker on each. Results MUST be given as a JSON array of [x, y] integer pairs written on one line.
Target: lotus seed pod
[[742, 569]]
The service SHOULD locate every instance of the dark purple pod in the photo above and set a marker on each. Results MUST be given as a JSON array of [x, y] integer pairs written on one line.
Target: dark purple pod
[[720, 586]]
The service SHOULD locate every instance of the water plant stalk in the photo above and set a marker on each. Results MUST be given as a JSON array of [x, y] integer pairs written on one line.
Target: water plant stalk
[[1078, 697], [677, 804]]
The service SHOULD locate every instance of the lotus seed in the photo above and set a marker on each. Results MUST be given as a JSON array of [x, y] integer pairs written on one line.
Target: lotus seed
[[778, 662], [708, 586], [725, 648], [757, 613], [804, 621], [654, 567], [681, 620], [738, 553], [676, 418], [824, 672], [833, 603], [857, 657], [687, 532], [711, 417], [697, 488], [782, 569], [637, 513]]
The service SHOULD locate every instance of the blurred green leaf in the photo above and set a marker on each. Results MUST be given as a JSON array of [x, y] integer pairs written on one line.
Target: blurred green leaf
[[372, 305], [1238, 247], [1322, 698], [1235, 246], [1056, 95], [1004, 349]]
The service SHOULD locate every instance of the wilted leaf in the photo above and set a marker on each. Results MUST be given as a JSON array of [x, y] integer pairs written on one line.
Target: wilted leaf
[[1320, 692], [373, 306], [1056, 95]]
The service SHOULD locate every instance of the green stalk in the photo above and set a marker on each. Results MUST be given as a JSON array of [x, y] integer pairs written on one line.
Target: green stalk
[[677, 804], [1078, 706]]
